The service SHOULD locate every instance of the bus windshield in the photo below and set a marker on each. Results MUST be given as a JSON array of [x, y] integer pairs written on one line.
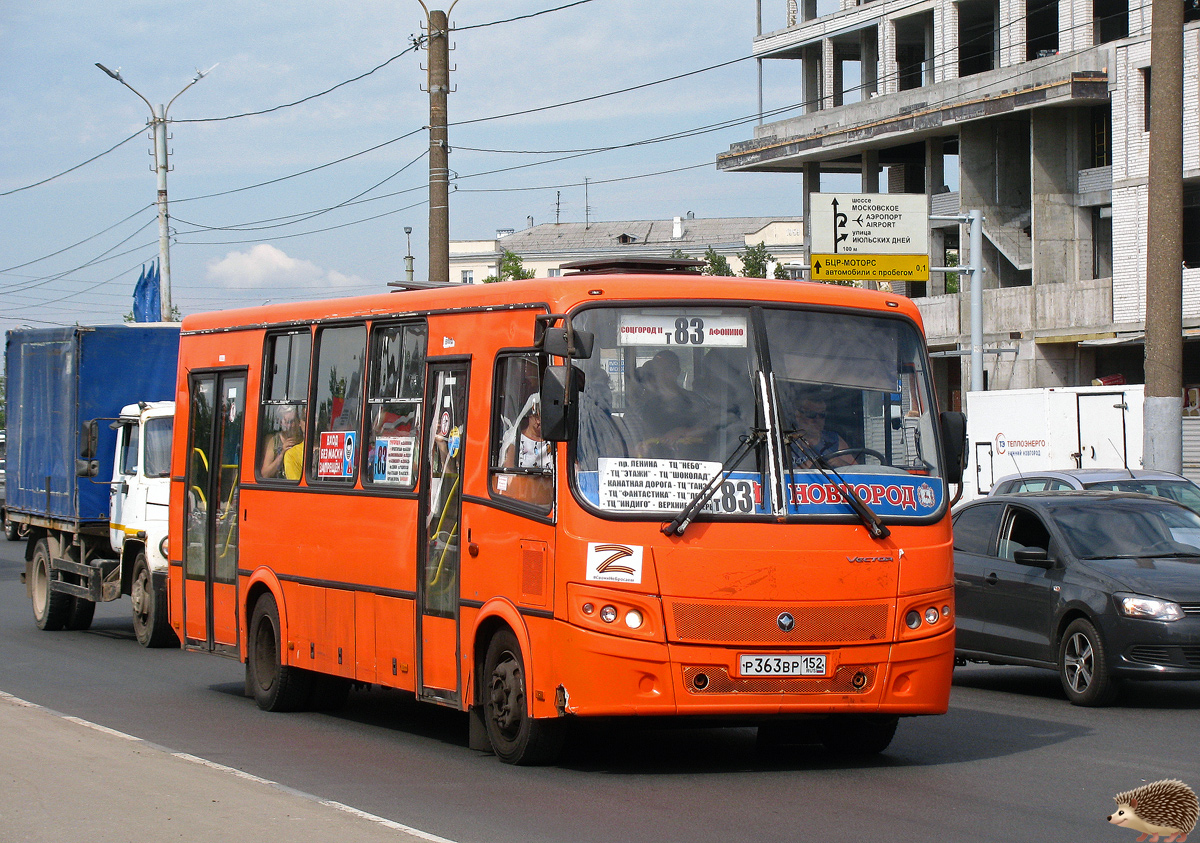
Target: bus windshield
[[836, 400]]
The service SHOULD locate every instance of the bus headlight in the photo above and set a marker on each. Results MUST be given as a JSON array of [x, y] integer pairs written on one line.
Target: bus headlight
[[633, 619], [608, 614]]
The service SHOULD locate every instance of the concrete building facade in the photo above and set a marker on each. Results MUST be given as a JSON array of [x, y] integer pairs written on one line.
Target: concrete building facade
[[1033, 111], [545, 248]]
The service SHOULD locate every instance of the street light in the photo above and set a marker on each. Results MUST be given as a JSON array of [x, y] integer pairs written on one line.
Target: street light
[[408, 258], [158, 121]]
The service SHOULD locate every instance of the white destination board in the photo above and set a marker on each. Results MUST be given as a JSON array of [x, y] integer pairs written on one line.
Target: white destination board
[[869, 224]]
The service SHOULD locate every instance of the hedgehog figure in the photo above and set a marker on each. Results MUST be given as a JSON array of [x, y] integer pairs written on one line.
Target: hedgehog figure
[[1168, 807]]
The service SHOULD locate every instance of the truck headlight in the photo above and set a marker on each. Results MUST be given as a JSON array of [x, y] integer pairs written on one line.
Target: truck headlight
[[1148, 608]]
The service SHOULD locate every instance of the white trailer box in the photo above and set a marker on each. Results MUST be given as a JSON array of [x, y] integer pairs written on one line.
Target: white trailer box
[[1021, 430]]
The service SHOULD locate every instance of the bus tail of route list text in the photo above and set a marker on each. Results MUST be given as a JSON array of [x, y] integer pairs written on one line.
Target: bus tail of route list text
[[620, 492]]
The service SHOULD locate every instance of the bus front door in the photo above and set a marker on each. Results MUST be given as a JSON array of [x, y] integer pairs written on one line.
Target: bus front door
[[215, 420], [439, 678]]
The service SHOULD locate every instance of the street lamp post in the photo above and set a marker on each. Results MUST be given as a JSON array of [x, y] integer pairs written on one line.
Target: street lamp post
[[158, 121], [408, 257]]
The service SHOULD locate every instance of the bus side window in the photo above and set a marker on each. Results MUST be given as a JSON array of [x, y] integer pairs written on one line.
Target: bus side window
[[521, 462], [395, 390], [284, 407], [338, 404]]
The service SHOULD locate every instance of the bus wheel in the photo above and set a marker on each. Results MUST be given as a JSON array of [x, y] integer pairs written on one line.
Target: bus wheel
[[51, 609], [859, 734], [149, 608], [275, 686], [516, 737]]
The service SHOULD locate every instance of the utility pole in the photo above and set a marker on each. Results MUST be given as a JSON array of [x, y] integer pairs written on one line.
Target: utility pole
[[158, 123], [439, 149], [1162, 440]]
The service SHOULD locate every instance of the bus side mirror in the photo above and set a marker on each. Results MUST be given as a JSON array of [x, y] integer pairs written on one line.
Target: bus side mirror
[[559, 409], [554, 341], [954, 444], [89, 438]]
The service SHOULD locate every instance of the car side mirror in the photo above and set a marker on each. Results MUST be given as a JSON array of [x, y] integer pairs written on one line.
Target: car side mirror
[[1035, 557], [954, 445]]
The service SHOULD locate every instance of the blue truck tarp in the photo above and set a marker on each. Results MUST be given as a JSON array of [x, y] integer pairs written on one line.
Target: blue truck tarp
[[58, 379]]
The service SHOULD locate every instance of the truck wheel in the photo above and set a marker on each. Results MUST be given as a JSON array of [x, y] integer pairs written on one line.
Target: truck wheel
[[516, 737], [275, 686], [150, 622], [50, 608], [80, 616]]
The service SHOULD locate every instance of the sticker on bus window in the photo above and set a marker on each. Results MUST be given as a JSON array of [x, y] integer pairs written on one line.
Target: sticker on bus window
[[613, 562], [392, 460], [681, 329], [627, 484], [336, 456], [811, 493]]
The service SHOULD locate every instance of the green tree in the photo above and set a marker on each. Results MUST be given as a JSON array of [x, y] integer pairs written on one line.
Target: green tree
[[511, 269], [952, 277], [755, 260], [715, 264], [781, 272]]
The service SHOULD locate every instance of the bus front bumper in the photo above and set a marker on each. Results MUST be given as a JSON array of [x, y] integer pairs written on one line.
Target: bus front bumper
[[608, 675]]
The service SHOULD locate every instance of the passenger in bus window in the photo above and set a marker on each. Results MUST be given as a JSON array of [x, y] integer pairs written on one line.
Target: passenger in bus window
[[812, 436], [524, 447], [293, 457], [671, 417], [278, 443]]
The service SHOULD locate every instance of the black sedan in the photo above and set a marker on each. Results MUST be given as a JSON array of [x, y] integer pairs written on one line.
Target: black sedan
[[1100, 586]]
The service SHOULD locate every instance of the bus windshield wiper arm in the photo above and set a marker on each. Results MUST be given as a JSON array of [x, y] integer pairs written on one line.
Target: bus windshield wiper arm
[[681, 521], [871, 521]]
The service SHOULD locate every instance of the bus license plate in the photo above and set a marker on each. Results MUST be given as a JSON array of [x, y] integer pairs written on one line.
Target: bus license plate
[[807, 664]]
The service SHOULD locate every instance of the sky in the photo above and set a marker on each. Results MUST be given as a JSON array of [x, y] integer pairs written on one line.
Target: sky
[[310, 200]]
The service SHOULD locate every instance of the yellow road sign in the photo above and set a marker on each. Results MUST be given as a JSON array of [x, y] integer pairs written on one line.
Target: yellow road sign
[[870, 267]]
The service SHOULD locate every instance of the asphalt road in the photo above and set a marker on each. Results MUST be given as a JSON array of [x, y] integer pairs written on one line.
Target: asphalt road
[[1012, 761]]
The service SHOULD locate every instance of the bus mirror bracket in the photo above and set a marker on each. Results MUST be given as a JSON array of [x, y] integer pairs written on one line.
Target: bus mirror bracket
[[954, 445], [560, 400], [562, 340]]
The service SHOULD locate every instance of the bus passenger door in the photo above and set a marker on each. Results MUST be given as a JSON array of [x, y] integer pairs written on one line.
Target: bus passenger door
[[440, 510], [210, 531]]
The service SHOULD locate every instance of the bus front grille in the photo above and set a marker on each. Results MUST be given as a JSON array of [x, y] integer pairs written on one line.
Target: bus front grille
[[848, 679], [757, 623]]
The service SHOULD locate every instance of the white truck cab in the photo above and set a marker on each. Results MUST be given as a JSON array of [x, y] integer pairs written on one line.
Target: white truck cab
[[138, 508]]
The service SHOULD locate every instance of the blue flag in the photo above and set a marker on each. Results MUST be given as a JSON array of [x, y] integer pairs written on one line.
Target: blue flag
[[146, 301]]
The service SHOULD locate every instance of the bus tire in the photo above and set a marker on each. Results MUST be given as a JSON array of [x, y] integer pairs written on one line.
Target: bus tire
[[81, 614], [150, 623], [329, 693], [516, 737], [275, 686], [51, 609], [859, 735]]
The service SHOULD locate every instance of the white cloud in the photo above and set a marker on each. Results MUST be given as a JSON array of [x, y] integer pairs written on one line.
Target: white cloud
[[265, 266]]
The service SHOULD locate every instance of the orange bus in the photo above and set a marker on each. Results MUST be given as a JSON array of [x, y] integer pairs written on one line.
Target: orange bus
[[610, 493]]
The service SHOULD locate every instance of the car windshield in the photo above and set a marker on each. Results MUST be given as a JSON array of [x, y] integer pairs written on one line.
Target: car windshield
[[1184, 491], [1128, 528], [671, 391]]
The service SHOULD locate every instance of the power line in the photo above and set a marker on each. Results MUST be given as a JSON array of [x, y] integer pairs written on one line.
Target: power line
[[72, 169], [79, 243], [519, 17], [415, 45]]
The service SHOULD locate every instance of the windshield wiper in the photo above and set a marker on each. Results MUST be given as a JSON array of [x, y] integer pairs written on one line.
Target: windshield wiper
[[681, 521], [871, 521]]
